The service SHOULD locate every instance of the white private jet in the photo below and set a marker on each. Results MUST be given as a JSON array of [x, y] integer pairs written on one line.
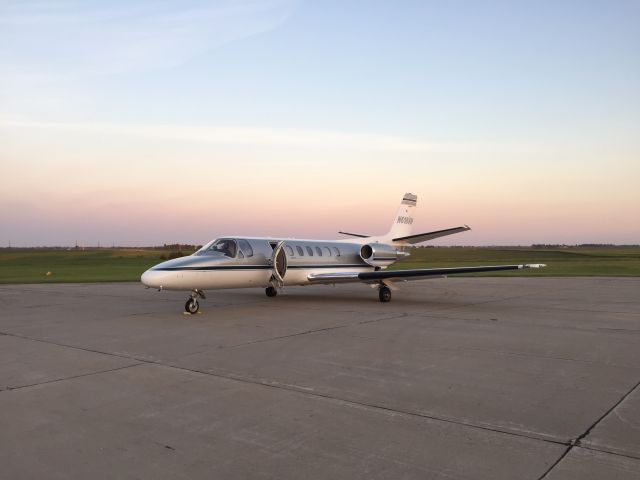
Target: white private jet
[[272, 263]]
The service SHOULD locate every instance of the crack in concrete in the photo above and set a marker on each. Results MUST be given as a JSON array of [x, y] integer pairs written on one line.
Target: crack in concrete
[[478, 349], [503, 321], [626, 421], [88, 374], [494, 300], [620, 330], [324, 329], [533, 355]]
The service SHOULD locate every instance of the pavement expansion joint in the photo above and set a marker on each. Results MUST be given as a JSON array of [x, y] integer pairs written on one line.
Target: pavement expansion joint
[[296, 389], [610, 452], [604, 415], [304, 391], [577, 442], [554, 464]]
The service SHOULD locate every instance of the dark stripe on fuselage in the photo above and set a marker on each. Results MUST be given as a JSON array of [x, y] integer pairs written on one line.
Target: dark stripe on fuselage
[[251, 267]]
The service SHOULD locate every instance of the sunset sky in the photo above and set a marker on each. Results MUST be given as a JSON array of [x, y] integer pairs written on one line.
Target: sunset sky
[[146, 122]]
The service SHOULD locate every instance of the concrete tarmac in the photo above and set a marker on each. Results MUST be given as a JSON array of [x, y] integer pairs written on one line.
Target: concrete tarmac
[[459, 378]]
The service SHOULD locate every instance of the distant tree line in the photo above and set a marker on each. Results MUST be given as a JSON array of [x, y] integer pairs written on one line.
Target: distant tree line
[[537, 245], [581, 245], [178, 246], [177, 250]]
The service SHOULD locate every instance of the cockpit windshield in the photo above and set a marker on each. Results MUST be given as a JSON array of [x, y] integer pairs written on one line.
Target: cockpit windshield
[[224, 246], [204, 248]]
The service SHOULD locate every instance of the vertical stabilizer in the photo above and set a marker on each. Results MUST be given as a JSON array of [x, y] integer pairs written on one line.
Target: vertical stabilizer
[[403, 221]]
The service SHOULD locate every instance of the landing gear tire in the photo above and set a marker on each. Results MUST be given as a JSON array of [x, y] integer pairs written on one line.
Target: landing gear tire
[[192, 306], [384, 294], [271, 291]]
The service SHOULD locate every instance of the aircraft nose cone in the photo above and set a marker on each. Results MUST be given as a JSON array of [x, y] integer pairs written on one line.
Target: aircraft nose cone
[[151, 279]]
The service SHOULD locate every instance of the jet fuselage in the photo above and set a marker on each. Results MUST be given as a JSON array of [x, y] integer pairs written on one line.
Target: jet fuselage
[[253, 266]]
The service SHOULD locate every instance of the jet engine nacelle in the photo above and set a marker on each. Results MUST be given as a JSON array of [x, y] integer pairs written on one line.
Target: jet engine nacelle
[[379, 255]]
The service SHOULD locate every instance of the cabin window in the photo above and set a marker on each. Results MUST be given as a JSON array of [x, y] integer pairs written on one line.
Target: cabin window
[[336, 251], [245, 248], [310, 251], [289, 250], [319, 251], [300, 251], [327, 251]]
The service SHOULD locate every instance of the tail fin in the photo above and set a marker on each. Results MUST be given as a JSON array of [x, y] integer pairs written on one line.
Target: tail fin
[[403, 221]]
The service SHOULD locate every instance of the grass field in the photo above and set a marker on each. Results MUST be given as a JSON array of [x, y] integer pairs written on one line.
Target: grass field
[[126, 264], [575, 261], [91, 265]]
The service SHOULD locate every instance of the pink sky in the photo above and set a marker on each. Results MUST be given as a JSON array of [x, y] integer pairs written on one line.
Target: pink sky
[[62, 185]]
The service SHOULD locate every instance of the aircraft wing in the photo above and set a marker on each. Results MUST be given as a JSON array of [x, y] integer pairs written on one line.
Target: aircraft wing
[[414, 274], [423, 237]]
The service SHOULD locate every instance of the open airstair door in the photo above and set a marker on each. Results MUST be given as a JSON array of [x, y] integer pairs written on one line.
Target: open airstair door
[[278, 263]]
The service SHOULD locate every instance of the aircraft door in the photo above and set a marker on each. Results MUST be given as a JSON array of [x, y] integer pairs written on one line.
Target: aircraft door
[[279, 262]]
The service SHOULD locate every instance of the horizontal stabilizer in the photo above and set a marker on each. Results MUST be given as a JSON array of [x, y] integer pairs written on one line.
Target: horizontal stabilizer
[[355, 234], [423, 237], [414, 274]]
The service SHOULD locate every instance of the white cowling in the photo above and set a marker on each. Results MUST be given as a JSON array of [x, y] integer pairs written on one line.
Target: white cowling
[[379, 254]]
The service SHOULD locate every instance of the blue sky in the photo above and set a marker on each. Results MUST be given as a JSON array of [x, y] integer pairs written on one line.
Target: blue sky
[[524, 105]]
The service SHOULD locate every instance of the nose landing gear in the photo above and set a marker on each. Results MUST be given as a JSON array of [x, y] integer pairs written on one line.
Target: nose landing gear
[[192, 306]]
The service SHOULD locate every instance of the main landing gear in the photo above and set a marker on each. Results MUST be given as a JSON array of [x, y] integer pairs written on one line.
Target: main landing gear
[[384, 293], [192, 306], [271, 291]]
